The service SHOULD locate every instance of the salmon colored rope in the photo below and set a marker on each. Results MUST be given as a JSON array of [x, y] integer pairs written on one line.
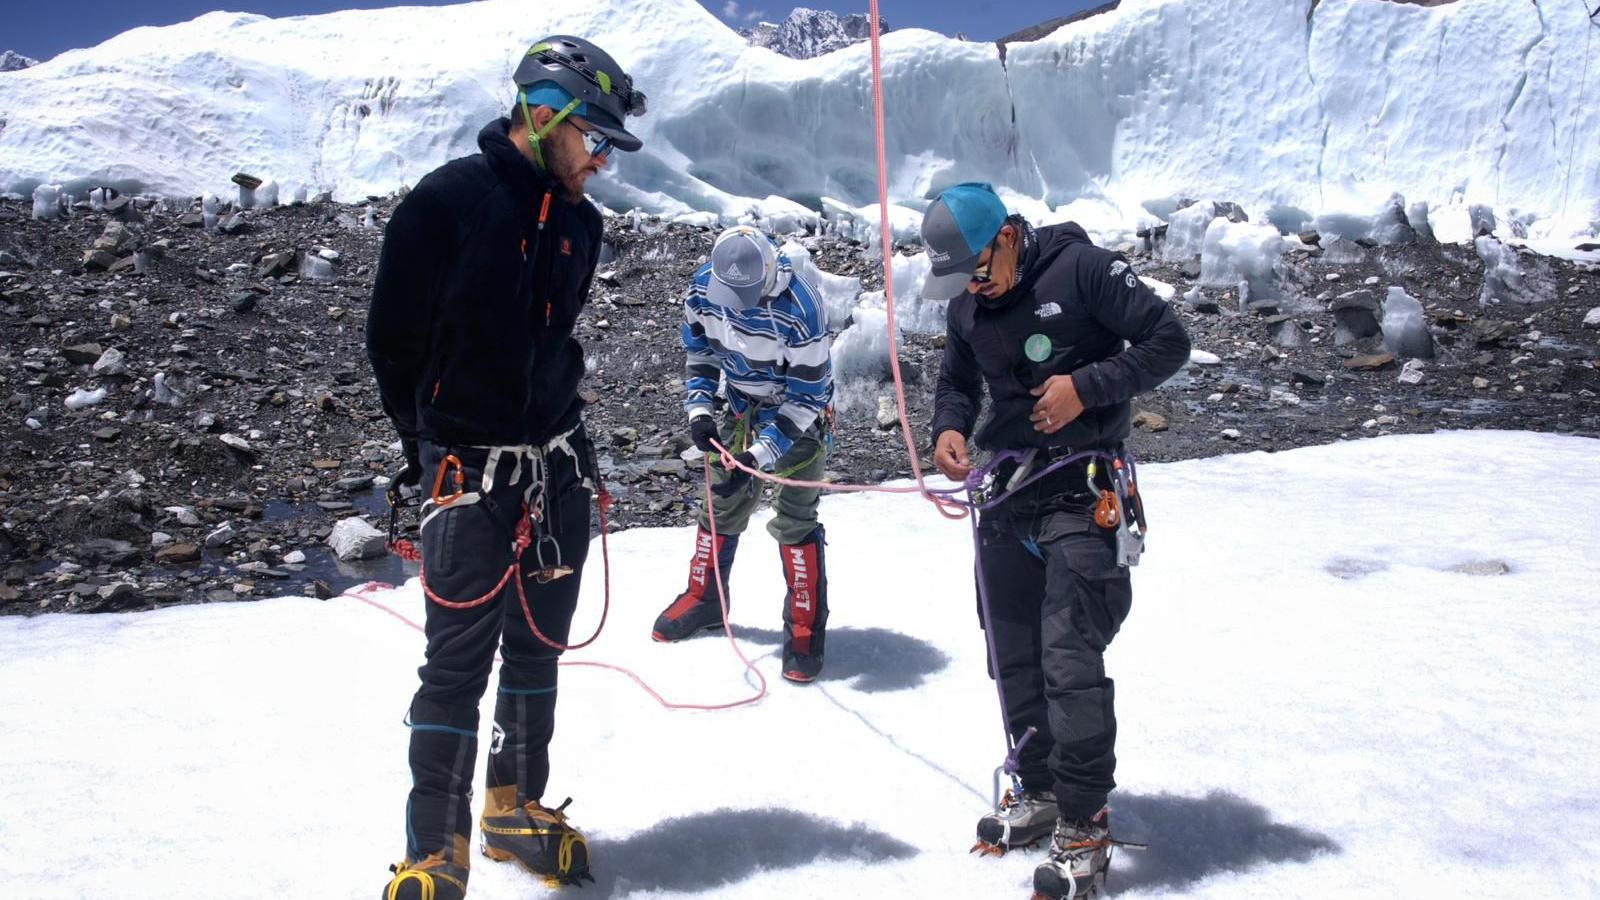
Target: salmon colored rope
[[361, 593], [950, 509]]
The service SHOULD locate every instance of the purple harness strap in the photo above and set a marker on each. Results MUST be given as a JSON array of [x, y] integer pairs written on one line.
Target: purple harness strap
[[973, 487]]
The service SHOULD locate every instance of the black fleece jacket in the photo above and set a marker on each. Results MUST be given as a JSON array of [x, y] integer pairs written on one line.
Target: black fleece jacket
[[470, 331], [1075, 304]]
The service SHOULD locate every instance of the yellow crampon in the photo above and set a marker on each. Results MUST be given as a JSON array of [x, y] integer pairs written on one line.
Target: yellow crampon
[[570, 840], [423, 874]]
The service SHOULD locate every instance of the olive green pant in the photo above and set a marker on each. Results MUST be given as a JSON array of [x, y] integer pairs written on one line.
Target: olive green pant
[[796, 508]]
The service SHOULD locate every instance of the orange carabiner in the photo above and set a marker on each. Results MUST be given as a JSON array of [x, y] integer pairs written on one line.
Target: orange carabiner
[[1106, 514], [438, 481]]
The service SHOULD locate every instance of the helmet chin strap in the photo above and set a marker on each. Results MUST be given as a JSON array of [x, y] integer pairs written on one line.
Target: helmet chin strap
[[535, 138]]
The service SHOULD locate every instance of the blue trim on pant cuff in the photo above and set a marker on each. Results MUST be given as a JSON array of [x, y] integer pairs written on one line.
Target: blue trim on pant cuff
[[446, 729]]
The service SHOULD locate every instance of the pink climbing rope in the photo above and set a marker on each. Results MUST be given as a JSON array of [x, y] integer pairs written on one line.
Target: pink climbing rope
[[940, 498], [947, 507], [361, 593]]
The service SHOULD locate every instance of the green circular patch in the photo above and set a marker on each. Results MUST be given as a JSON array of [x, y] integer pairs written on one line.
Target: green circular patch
[[1037, 348]]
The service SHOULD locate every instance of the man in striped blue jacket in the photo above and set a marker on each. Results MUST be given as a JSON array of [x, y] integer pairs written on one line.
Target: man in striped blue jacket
[[752, 320]]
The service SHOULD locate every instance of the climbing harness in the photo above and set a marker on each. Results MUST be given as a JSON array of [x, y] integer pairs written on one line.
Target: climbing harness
[[983, 495], [408, 550], [531, 530]]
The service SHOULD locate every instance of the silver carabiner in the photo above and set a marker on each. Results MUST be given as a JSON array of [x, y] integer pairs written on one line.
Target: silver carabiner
[[547, 572]]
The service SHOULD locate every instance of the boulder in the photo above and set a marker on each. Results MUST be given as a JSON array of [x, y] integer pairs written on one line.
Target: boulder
[[354, 538], [82, 354], [1150, 421]]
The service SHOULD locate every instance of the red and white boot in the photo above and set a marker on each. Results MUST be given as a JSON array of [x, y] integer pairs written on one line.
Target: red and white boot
[[699, 607], [805, 608]]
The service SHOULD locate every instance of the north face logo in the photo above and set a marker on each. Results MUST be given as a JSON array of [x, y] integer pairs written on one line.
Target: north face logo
[[1047, 310], [938, 256], [1118, 267]]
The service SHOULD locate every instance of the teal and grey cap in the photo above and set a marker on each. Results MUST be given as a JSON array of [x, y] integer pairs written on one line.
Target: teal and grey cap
[[744, 268], [956, 229]]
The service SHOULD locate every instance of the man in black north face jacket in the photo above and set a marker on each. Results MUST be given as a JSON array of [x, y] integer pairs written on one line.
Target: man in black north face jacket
[[1070, 311], [485, 267], [1064, 335]]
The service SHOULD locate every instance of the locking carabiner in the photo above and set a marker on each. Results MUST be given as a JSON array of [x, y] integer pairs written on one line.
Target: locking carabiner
[[460, 479]]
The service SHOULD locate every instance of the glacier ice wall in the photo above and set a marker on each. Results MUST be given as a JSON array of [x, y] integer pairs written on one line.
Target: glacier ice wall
[[1259, 101]]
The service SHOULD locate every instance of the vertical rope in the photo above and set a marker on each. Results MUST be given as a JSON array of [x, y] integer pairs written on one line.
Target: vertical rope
[[886, 245]]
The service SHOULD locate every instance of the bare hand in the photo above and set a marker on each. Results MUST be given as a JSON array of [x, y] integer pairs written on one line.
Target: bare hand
[[1058, 404], [950, 455]]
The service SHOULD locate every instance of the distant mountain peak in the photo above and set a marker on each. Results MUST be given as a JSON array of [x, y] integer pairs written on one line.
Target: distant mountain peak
[[811, 32], [11, 61]]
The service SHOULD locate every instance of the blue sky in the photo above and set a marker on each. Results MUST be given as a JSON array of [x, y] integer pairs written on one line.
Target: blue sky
[[49, 28]]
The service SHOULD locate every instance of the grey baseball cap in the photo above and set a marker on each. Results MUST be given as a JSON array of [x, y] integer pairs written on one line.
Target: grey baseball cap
[[744, 267], [956, 229]]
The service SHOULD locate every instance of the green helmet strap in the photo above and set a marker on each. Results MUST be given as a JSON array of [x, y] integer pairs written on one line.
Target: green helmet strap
[[536, 137]]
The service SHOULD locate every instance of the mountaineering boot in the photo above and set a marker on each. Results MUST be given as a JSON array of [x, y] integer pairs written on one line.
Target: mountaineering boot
[[431, 879], [805, 608], [539, 839], [1022, 819], [699, 607], [1080, 854]]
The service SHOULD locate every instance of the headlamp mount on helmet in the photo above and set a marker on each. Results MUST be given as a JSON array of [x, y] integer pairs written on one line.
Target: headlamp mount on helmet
[[535, 67], [590, 83]]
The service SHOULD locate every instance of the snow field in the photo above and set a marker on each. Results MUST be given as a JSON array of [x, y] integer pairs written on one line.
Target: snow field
[[1313, 702]]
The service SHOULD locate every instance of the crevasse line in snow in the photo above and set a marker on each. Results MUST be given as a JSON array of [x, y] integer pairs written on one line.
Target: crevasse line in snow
[[1583, 87], [1516, 95], [1013, 136], [1322, 106]]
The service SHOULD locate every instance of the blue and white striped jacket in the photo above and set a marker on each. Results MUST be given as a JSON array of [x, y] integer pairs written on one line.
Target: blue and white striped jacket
[[775, 356]]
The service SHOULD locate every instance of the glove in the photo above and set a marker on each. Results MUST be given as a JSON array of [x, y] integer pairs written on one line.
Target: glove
[[703, 430], [411, 475], [737, 478]]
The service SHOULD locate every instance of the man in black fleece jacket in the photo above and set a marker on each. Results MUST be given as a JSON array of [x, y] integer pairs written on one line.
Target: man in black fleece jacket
[[485, 267], [1064, 335]]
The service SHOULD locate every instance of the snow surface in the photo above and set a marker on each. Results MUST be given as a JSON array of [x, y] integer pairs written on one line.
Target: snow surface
[[1473, 102], [1316, 699]]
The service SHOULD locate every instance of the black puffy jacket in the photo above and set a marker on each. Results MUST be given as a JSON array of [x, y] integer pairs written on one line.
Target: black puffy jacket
[[470, 332], [1078, 303]]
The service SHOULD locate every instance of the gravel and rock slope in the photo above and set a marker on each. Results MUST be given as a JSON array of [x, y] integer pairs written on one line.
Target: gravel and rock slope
[[189, 412]]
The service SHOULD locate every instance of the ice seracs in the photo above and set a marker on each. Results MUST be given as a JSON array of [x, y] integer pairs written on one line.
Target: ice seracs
[[1405, 327], [47, 201], [1240, 252], [1475, 103]]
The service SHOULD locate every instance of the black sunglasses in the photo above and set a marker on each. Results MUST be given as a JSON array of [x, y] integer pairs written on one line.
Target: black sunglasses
[[980, 275]]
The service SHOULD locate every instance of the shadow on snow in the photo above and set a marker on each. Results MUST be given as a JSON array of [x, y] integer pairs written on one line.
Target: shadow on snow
[[1192, 838], [876, 658], [709, 850]]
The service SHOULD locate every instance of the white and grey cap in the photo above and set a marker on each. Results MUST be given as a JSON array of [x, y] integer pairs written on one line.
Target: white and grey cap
[[744, 268]]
